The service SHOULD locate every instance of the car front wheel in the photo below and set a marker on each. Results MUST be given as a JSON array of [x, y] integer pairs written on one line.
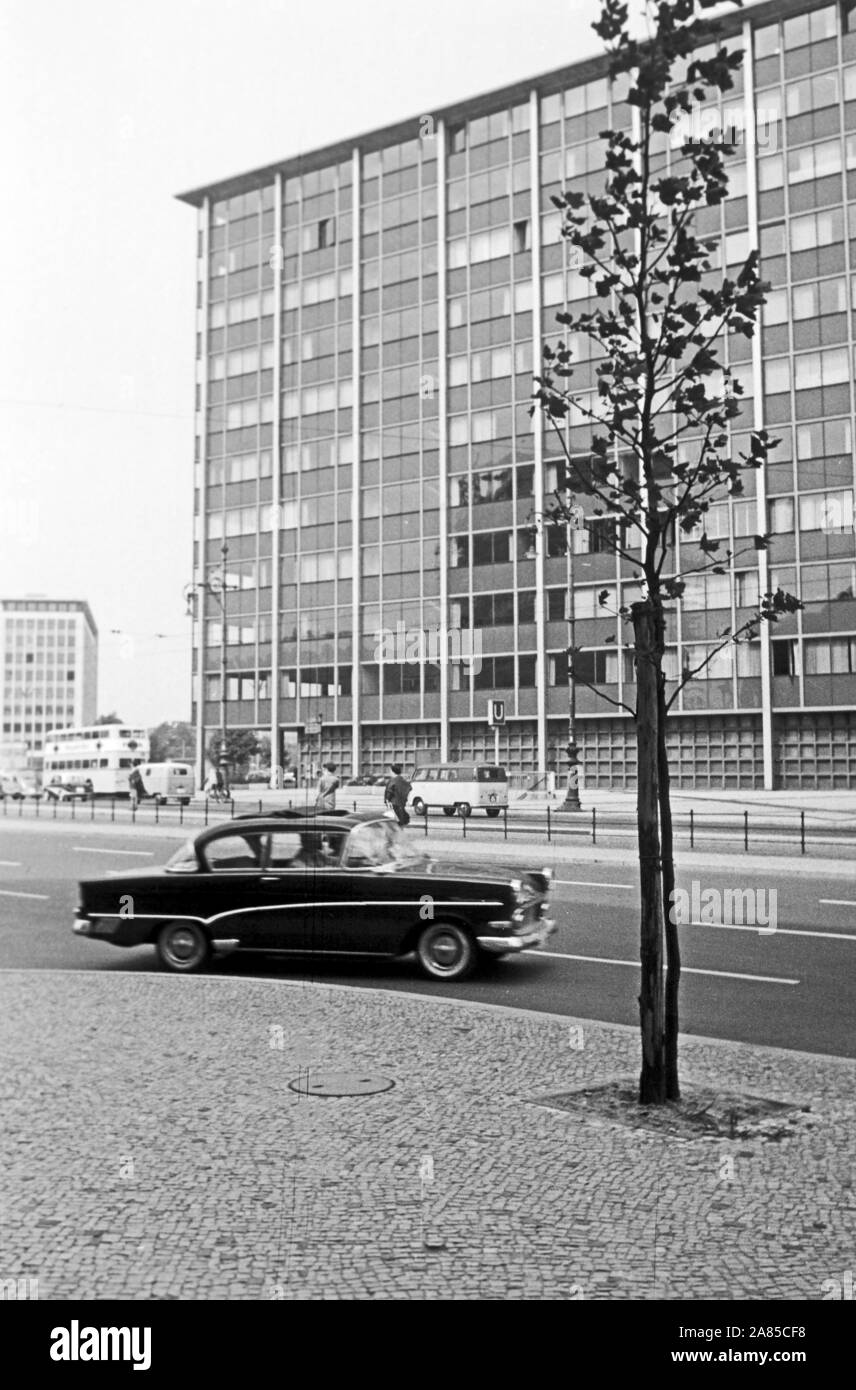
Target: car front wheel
[[493, 811], [183, 947], [446, 952], [418, 806], [464, 809]]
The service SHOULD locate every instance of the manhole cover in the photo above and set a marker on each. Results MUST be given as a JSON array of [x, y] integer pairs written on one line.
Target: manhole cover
[[339, 1083]]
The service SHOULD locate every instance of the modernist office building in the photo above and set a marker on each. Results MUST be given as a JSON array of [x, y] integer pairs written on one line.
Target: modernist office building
[[370, 317], [49, 656]]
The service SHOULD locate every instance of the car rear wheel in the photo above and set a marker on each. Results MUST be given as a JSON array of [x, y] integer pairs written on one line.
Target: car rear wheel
[[464, 809], [493, 811], [446, 952], [418, 806], [183, 947], [449, 810]]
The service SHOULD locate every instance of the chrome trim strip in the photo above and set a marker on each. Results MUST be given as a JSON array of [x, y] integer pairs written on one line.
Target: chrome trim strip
[[291, 907], [528, 942]]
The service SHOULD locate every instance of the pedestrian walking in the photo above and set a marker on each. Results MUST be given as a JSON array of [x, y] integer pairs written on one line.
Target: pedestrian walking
[[325, 799], [397, 791], [137, 786]]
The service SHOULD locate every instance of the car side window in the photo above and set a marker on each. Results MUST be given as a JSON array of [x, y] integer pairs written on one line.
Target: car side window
[[234, 852], [371, 845], [285, 847]]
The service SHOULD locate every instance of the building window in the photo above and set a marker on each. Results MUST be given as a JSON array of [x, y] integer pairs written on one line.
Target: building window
[[784, 657], [829, 583], [811, 28], [526, 671], [459, 551], [781, 513], [827, 511], [491, 548], [830, 656]]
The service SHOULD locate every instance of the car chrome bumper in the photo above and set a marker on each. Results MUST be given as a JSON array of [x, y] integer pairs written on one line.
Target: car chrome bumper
[[528, 940], [83, 926]]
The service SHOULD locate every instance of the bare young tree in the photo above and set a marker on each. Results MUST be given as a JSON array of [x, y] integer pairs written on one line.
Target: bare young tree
[[661, 413]]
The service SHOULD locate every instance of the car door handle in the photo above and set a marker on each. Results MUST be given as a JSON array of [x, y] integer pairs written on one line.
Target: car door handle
[[270, 878]]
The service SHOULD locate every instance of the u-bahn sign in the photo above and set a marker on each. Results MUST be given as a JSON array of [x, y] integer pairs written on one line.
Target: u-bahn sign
[[495, 713]]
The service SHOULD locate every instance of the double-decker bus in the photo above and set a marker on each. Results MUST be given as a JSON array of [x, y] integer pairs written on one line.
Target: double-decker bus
[[101, 753]]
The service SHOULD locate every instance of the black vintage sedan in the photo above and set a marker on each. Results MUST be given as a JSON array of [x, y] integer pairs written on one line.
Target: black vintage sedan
[[350, 885]]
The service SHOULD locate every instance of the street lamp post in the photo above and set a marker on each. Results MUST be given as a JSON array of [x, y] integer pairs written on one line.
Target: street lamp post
[[572, 794], [216, 586]]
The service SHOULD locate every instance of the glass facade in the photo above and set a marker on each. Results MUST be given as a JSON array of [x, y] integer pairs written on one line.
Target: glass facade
[[370, 320]]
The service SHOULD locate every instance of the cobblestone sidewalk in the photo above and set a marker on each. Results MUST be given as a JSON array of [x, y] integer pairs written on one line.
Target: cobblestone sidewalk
[[154, 1149]]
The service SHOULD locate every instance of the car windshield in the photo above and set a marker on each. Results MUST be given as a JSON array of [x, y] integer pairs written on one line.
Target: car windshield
[[378, 843], [184, 859]]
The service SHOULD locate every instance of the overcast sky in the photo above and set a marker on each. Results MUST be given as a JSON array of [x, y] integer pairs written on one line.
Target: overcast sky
[[107, 110]]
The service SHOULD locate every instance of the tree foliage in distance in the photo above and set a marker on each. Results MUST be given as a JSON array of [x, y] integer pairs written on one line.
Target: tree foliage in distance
[[661, 414], [241, 746], [172, 741]]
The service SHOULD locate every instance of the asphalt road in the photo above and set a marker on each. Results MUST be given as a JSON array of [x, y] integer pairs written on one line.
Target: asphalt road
[[794, 987]]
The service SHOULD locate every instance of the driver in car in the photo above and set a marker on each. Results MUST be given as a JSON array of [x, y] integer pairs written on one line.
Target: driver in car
[[316, 851]]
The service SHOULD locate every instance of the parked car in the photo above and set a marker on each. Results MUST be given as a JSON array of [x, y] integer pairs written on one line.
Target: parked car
[[67, 791], [258, 775], [303, 885], [11, 787]]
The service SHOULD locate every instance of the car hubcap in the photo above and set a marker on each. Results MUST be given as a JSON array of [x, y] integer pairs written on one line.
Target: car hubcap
[[182, 945], [445, 951]]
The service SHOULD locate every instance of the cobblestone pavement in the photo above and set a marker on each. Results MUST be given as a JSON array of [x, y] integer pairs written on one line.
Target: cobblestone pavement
[[153, 1149]]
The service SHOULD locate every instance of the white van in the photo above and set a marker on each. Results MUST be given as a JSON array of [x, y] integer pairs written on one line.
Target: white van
[[461, 788], [165, 782]]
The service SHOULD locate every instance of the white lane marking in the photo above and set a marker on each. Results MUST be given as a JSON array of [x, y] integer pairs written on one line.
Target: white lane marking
[[774, 931], [838, 902], [88, 849], [8, 893], [588, 883], [10, 863], [685, 969]]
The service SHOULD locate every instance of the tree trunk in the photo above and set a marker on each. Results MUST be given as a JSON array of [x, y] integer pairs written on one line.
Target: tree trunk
[[673, 947], [652, 1080]]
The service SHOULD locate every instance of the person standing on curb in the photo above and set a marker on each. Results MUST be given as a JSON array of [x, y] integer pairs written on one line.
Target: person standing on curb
[[397, 791], [325, 799]]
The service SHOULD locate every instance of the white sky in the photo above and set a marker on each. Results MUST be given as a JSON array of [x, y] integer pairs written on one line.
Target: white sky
[[107, 109]]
